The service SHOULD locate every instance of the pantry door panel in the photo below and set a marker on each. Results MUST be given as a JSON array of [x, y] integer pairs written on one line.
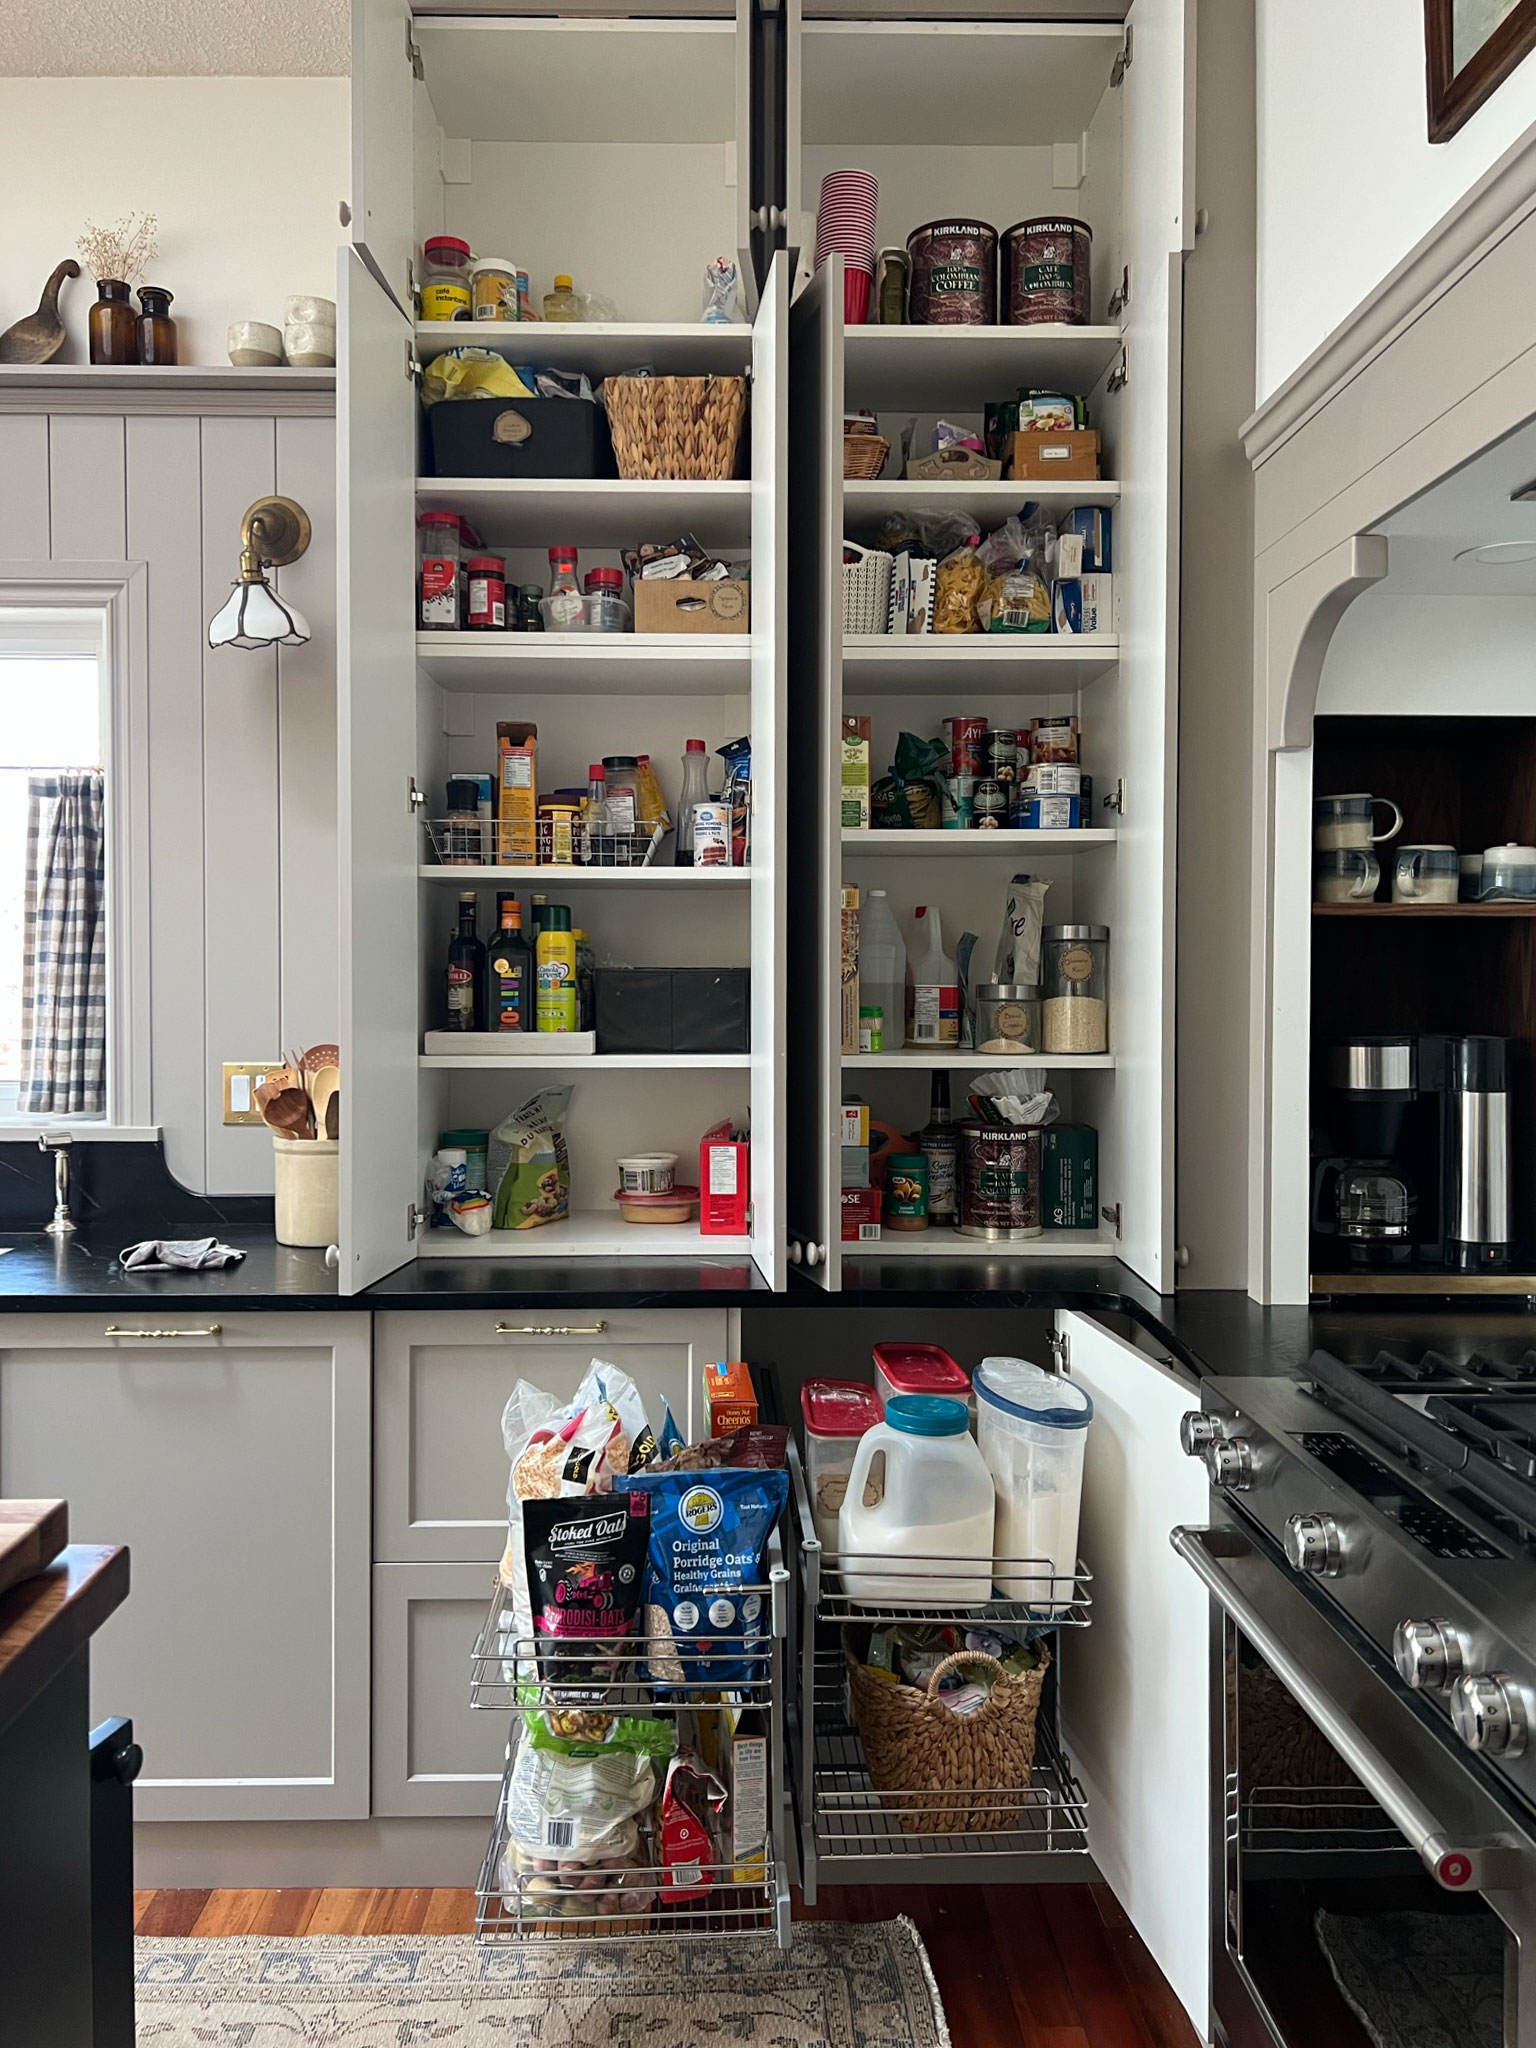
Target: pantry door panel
[[815, 712], [376, 706], [383, 223], [1133, 1684], [794, 52], [770, 839], [749, 98]]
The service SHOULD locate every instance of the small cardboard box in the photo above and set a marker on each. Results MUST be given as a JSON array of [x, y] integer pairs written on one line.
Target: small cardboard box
[[855, 1124], [855, 1161], [862, 1209], [725, 1183], [517, 793], [1083, 604], [1056, 458], [1069, 1176], [730, 1399], [849, 1011], [749, 1807], [858, 736], [680, 604], [1094, 526]]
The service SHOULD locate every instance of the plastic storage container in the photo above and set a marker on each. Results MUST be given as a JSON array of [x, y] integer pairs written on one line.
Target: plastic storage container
[[919, 1369], [920, 1498], [308, 1186], [836, 1414], [1032, 1429]]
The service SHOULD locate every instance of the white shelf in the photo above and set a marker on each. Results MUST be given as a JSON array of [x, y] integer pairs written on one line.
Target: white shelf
[[214, 388], [589, 664], [589, 1063], [924, 1058], [588, 878], [594, 512], [964, 368], [603, 348], [866, 504], [949, 1244], [916, 664], [589, 1234], [971, 845]]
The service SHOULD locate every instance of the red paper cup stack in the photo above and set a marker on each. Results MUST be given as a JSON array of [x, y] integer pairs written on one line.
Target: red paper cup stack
[[845, 226]]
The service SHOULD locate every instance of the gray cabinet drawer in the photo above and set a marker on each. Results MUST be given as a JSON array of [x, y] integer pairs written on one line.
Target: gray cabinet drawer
[[432, 1754], [441, 1382]]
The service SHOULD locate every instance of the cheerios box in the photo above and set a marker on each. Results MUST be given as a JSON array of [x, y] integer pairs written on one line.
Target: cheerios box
[[730, 1399]]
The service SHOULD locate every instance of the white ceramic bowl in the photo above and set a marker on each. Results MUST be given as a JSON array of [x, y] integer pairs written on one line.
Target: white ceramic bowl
[[255, 345]]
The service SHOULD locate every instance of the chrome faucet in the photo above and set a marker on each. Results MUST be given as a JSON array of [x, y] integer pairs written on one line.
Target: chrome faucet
[[63, 1224]]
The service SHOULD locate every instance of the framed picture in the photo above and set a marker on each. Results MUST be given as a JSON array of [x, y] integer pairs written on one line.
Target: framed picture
[[1470, 48]]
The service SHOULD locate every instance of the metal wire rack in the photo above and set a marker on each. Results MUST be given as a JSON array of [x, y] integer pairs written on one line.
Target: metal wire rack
[[1312, 1821], [1023, 1592], [474, 842]]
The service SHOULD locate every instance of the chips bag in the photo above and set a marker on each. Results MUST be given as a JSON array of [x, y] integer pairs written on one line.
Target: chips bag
[[529, 1166]]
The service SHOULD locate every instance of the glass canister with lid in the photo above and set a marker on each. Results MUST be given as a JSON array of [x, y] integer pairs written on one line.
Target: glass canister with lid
[[1008, 1017], [445, 289], [1074, 975]]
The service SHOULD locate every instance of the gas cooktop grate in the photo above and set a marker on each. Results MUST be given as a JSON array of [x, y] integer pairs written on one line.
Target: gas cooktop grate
[[1397, 1370]]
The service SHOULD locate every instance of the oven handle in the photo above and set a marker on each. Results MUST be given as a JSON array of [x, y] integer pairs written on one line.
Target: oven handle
[[1459, 1866]]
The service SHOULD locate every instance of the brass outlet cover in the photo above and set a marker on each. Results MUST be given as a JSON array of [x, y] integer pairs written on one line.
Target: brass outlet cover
[[240, 1078]]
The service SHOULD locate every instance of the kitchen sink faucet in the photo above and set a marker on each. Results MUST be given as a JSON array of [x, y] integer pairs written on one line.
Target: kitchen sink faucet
[[63, 1224]]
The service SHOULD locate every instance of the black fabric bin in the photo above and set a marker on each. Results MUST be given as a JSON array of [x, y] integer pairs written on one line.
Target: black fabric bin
[[564, 437], [673, 1009]]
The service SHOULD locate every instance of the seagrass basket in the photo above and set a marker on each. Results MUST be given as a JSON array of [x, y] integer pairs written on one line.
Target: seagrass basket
[[682, 429], [864, 456]]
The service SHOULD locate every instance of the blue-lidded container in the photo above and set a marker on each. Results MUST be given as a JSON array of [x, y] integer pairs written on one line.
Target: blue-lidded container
[[1032, 1431]]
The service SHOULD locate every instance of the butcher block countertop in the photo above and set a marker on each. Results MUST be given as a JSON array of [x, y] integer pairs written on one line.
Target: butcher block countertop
[[45, 1619]]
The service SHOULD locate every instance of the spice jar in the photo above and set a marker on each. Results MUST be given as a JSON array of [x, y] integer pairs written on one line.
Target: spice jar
[[1074, 973], [156, 330], [871, 1027], [906, 1192], [493, 289], [445, 292], [606, 610], [486, 585], [1008, 1017], [439, 576], [1000, 1181]]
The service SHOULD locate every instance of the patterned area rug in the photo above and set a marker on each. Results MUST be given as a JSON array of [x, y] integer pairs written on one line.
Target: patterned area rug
[[840, 1986]]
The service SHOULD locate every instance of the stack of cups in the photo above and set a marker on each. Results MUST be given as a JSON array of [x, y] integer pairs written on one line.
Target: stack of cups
[[845, 226]]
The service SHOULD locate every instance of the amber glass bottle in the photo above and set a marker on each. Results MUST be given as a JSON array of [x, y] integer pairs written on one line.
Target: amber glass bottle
[[157, 330], [113, 328]]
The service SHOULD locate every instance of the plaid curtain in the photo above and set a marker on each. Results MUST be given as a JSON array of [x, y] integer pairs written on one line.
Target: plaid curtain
[[64, 946]]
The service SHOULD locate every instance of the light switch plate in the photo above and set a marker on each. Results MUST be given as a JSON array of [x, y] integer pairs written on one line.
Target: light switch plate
[[240, 1078]]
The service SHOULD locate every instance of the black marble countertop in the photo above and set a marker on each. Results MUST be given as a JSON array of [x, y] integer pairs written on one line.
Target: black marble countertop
[[82, 1273]]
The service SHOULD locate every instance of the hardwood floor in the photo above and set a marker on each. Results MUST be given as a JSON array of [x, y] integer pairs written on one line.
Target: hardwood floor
[[1018, 1966]]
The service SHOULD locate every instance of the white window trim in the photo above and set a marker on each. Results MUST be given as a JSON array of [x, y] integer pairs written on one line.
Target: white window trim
[[119, 591]]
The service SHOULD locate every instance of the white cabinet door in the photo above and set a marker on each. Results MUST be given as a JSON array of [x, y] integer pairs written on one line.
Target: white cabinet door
[[770, 837], [379, 833], [233, 1462], [1134, 1685], [815, 713], [383, 223]]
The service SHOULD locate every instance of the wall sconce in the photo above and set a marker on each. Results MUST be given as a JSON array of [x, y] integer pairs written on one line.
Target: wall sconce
[[273, 532]]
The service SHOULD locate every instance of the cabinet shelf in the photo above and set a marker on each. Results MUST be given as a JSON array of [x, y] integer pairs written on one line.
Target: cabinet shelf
[[588, 1063], [874, 845], [588, 878], [949, 1244], [588, 664], [589, 1234], [1397, 910], [898, 665], [925, 1058], [603, 348], [964, 368], [594, 512], [864, 504]]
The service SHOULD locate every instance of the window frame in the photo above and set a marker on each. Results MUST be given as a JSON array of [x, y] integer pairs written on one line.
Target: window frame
[[117, 593]]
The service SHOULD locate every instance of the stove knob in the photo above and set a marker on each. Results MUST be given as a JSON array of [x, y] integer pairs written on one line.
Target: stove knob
[[1312, 1545], [1229, 1460], [1427, 1654], [1197, 1431], [1489, 1713]]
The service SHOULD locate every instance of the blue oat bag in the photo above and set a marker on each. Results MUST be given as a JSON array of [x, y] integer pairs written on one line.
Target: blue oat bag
[[708, 1542]]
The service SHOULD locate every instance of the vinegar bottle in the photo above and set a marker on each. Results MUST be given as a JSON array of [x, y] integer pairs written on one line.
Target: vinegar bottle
[[935, 1014]]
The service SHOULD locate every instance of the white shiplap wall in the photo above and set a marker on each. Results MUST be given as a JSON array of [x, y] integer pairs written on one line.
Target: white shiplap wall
[[242, 746]]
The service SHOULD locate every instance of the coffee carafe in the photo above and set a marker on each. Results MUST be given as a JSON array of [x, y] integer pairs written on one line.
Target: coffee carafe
[[1366, 1197], [1470, 1077]]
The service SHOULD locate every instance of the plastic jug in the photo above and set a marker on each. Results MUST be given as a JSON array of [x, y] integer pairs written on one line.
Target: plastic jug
[[919, 1496], [1032, 1427], [883, 967]]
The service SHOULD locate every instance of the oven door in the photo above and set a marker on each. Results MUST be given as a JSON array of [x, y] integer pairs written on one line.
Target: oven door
[[1368, 1885]]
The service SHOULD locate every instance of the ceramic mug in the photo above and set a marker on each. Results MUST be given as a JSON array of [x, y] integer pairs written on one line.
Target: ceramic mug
[[1340, 822], [1509, 873], [1426, 874], [1345, 874]]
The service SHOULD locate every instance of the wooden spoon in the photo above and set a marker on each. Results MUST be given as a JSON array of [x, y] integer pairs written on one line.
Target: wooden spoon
[[333, 1115], [316, 1060], [323, 1086], [290, 1111], [38, 337]]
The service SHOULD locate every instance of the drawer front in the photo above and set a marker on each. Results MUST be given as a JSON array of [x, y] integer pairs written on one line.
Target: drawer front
[[432, 1753], [442, 1381]]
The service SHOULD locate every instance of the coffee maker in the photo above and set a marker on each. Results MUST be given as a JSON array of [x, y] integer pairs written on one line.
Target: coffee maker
[[1365, 1198]]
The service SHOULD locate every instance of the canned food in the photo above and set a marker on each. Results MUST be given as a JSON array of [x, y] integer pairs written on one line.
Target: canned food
[[712, 835], [1002, 754], [906, 1192], [1000, 1181], [990, 804], [1050, 778], [954, 274], [1046, 272], [959, 803], [967, 737], [1053, 739]]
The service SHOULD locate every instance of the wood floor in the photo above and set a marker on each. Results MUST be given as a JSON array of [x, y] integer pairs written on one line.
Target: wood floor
[[1049, 1966]]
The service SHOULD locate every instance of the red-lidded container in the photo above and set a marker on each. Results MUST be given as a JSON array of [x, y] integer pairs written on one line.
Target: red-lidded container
[[486, 582], [836, 1414], [919, 1369]]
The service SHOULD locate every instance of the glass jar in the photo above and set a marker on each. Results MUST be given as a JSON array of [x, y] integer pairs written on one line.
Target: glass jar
[[445, 290], [906, 1192], [563, 607], [1074, 975], [439, 571], [156, 328], [1347, 875], [485, 585], [1000, 1181], [493, 289], [114, 332], [562, 303], [1007, 1017], [606, 610], [621, 773], [530, 616]]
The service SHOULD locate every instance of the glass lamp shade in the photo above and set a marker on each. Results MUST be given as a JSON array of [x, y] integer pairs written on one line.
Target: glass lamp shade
[[255, 616]]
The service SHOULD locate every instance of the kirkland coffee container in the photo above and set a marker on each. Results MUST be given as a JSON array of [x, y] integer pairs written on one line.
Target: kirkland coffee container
[[1000, 1181], [1046, 273], [954, 274]]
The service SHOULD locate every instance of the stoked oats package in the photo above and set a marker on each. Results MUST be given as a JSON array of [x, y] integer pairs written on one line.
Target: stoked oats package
[[708, 1548]]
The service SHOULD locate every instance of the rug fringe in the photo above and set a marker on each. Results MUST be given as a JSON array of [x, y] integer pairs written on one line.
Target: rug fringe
[[941, 2023]]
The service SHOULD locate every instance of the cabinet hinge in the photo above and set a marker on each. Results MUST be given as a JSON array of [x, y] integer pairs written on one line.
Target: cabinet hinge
[[1060, 1347], [1120, 298], [1120, 375], [413, 55], [1122, 63], [1112, 1218], [415, 1221], [415, 798], [412, 366], [1114, 799]]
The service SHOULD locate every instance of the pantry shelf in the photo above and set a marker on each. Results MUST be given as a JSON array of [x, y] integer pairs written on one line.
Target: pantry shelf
[[587, 878], [865, 504], [591, 512], [971, 845], [591, 1063], [925, 1058], [898, 665], [965, 368], [949, 1244], [1396, 910], [590, 1234], [588, 664], [603, 348]]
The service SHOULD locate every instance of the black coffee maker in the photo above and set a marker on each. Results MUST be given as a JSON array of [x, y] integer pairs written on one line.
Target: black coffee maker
[[1365, 1198]]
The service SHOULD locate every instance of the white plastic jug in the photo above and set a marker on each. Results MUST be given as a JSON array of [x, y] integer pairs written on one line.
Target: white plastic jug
[[1032, 1427], [930, 1507]]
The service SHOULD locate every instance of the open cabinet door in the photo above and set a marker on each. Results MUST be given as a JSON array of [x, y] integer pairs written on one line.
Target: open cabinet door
[[770, 836], [815, 712], [383, 225], [376, 708], [1133, 1684]]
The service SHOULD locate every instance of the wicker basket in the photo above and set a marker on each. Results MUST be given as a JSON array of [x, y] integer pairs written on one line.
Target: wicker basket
[[864, 456], [682, 429], [866, 590], [935, 1768]]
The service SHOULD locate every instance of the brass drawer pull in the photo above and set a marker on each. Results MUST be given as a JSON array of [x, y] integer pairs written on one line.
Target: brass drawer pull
[[208, 1330], [550, 1329]]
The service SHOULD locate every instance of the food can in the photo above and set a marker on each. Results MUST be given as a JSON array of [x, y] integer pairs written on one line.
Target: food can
[[1053, 739], [966, 737], [712, 835], [954, 274], [1002, 754], [1046, 272], [906, 1192], [1048, 813], [1054, 778], [990, 804], [891, 267], [959, 803], [1000, 1181]]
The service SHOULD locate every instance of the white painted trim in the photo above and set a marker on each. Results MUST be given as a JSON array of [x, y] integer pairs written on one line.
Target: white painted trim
[[194, 389], [25, 1131], [1497, 204]]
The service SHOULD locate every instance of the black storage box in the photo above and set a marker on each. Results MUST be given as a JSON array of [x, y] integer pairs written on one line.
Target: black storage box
[[545, 437], [673, 1009]]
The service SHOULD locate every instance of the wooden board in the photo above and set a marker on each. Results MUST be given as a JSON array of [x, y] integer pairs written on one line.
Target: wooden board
[[32, 1533]]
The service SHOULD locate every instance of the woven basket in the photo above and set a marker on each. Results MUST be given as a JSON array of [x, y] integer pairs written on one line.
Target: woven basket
[[867, 590], [684, 429], [935, 1768], [864, 456]]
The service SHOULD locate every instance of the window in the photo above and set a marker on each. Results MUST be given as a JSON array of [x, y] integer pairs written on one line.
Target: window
[[55, 744]]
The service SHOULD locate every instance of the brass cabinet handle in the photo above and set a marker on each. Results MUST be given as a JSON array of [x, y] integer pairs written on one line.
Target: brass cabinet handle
[[208, 1330], [550, 1329]]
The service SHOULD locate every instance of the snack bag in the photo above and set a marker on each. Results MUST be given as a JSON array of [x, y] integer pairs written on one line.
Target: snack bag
[[529, 1166], [584, 1561], [708, 1545]]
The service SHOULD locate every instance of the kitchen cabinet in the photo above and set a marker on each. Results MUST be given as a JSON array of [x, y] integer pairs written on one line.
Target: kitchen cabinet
[[432, 1753], [232, 1458]]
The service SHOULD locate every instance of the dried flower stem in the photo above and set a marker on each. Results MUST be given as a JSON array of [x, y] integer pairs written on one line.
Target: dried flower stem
[[123, 251]]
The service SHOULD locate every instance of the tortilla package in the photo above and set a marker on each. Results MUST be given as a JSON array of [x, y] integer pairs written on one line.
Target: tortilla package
[[708, 1546], [585, 1562]]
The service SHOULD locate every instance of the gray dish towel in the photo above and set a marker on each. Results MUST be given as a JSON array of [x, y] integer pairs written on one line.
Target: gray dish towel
[[178, 1255]]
